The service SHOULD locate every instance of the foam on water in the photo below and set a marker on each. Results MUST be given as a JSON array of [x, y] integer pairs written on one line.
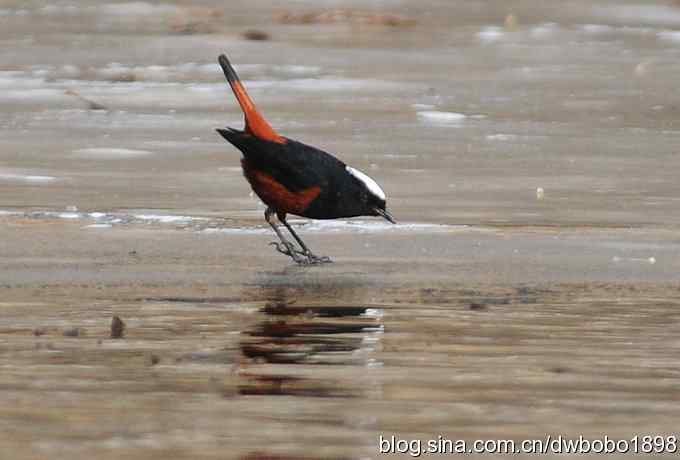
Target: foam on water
[[595, 28], [166, 219], [32, 95], [345, 226], [106, 220], [437, 117], [110, 153], [15, 78], [297, 70], [670, 35], [371, 226], [25, 178], [501, 137], [490, 34]]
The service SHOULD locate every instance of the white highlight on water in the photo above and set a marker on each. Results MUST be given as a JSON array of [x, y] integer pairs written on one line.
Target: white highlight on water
[[377, 226], [670, 35], [490, 34], [110, 153], [26, 178], [166, 219], [370, 184], [441, 117], [649, 260], [501, 137], [344, 226]]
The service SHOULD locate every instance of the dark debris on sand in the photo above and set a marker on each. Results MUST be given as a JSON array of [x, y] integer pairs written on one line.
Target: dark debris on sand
[[256, 35], [346, 16], [117, 328], [74, 332]]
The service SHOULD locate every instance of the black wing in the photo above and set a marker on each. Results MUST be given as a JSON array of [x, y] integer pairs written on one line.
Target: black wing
[[297, 165]]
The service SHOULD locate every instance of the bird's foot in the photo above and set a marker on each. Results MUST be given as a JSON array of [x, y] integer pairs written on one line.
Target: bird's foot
[[313, 259], [291, 251], [300, 257]]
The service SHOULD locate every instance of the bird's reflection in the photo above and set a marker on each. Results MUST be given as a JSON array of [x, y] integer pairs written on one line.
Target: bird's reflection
[[292, 350]]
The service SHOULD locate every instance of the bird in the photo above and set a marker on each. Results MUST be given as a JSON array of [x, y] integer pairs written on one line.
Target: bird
[[295, 178]]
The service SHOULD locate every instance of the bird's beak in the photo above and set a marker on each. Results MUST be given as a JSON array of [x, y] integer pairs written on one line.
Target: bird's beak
[[385, 214]]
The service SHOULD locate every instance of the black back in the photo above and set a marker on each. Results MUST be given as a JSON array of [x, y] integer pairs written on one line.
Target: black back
[[299, 166]]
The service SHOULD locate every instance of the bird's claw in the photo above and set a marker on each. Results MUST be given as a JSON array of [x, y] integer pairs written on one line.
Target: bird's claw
[[300, 257], [289, 250], [317, 260]]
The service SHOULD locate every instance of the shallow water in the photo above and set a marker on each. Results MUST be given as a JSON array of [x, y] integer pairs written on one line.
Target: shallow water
[[529, 154]]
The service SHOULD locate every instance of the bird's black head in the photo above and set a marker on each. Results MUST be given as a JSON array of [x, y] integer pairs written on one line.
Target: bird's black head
[[373, 199]]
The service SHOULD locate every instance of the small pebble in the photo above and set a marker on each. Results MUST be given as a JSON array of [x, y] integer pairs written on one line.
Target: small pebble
[[256, 35], [117, 328], [559, 370], [74, 332]]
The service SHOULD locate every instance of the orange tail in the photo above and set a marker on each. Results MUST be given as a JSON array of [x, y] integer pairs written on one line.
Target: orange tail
[[255, 122]]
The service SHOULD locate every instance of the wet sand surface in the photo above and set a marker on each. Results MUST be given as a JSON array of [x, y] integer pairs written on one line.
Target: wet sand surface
[[530, 288]]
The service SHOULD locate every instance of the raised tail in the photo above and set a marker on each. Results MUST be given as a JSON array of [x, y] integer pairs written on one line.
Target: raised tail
[[255, 122], [236, 138]]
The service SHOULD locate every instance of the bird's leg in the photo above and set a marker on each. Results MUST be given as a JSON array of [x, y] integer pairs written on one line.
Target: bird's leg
[[311, 257], [285, 246]]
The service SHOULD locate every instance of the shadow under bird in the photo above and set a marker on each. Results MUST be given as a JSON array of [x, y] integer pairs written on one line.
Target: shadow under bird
[[294, 178]]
